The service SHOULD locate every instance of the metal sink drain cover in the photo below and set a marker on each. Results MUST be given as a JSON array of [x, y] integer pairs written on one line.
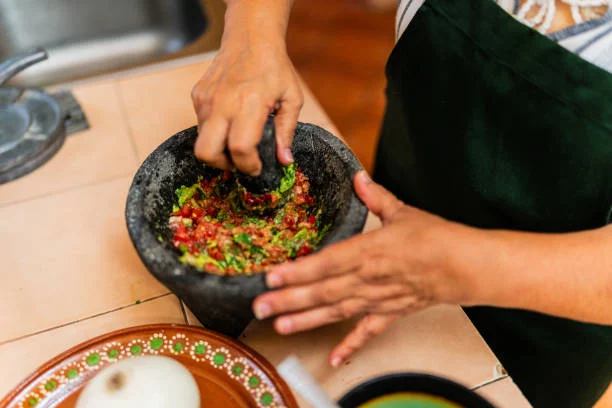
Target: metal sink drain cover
[[33, 124]]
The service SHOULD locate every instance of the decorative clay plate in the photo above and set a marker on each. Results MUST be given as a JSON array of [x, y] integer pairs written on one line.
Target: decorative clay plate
[[228, 373]]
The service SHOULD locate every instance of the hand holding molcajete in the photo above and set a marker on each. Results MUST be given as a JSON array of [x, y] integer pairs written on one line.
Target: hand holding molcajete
[[405, 266], [418, 259]]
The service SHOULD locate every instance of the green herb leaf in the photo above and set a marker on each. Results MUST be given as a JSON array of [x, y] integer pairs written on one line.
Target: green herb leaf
[[254, 220], [184, 193], [301, 235], [242, 238], [278, 218], [288, 179]]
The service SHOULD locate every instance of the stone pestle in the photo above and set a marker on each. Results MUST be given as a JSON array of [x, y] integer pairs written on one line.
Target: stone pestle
[[271, 170]]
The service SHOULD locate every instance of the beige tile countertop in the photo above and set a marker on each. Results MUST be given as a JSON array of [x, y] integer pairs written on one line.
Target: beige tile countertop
[[69, 271]]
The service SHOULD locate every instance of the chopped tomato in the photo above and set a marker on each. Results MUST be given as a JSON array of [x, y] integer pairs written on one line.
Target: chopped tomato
[[305, 250], [186, 210], [216, 254]]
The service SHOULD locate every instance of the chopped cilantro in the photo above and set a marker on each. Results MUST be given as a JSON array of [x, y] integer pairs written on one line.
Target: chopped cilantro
[[301, 235], [255, 220], [243, 238], [288, 179], [184, 193], [278, 218], [257, 250]]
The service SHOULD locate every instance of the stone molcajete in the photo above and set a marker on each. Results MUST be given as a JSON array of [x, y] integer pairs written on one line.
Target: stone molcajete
[[223, 303]]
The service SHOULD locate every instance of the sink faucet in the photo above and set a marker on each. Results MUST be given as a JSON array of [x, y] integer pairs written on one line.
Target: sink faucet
[[33, 123], [19, 62]]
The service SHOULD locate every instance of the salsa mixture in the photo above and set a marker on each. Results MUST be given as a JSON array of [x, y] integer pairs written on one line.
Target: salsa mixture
[[222, 228]]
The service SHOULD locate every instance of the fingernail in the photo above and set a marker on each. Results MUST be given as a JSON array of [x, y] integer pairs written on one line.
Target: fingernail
[[364, 177], [336, 361], [262, 310], [287, 155], [274, 281], [285, 326]]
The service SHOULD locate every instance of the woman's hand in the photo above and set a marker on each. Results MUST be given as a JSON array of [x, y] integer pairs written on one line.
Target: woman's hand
[[250, 78], [418, 259], [405, 266]]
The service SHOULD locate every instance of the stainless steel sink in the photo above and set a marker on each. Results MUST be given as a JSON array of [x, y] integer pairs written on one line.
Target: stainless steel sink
[[90, 37]]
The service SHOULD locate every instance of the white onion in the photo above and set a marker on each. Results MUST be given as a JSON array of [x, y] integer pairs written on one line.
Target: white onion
[[148, 381]]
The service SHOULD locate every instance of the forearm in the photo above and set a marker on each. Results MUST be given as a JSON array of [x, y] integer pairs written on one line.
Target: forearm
[[567, 275], [256, 22]]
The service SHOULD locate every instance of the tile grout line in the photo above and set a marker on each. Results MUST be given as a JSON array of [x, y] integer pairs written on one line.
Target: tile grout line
[[183, 310], [65, 190], [126, 120], [489, 382], [2, 343]]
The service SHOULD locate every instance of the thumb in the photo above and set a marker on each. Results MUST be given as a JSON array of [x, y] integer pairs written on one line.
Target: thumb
[[377, 198]]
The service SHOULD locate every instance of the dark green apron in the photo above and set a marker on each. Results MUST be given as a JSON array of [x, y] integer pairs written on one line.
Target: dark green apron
[[493, 125]]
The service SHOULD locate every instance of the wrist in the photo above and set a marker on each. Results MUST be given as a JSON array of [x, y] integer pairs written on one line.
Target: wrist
[[565, 275], [254, 23], [473, 265], [505, 269]]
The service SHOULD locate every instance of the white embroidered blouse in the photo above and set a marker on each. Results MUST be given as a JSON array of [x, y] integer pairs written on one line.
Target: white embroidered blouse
[[591, 40]]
